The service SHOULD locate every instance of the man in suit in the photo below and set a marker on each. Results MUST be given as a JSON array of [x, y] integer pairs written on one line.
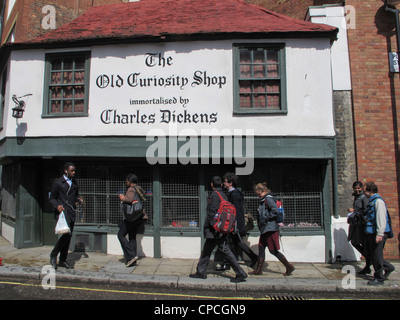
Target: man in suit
[[64, 196], [214, 238]]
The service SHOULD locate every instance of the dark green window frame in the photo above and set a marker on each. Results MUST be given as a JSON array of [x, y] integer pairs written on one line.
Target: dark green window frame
[[259, 79], [66, 89]]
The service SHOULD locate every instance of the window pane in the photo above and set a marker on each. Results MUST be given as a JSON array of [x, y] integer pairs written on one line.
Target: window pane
[[273, 71], [56, 64], [56, 93], [245, 101], [273, 56], [245, 86], [68, 92], [80, 63], [79, 77], [245, 71], [260, 101], [56, 78], [69, 64], [55, 106], [273, 87], [259, 71], [67, 78], [259, 86], [79, 92], [259, 56], [244, 56], [67, 106], [273, 102], [79, 106]]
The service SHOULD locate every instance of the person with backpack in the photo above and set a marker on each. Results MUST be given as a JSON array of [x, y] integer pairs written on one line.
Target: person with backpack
[[269, 230], [378, 229], [215, 238], [235, 196]]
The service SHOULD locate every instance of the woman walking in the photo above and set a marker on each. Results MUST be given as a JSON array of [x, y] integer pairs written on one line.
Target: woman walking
[[131, 227], [269, 229]]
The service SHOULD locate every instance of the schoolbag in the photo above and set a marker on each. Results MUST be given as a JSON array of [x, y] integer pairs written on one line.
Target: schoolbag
[[281, 212], [225, 219]]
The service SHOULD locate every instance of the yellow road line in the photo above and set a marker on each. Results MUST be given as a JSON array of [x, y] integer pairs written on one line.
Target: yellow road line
[[179, 295]]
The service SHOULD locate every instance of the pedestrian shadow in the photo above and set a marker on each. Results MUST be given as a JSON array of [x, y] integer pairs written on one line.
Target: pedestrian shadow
[[78, 253]]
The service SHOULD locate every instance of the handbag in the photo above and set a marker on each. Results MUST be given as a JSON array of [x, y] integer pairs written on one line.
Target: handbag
[[134, 210], [62, 225]]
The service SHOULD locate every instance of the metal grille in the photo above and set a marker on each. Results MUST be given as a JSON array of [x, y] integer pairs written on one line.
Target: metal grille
[[100, 187], [180, 200], [303, 211], [9, 192]]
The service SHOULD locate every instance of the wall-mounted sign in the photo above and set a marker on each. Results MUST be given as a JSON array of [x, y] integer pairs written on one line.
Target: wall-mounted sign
[[394, 61]]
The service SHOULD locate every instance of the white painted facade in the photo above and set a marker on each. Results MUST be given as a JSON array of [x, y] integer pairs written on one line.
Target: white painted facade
[[308, 78]]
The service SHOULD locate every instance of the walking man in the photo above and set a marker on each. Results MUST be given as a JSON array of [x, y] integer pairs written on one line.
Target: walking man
[[377, 230], [64, 196], [214, 238], [235, 196]]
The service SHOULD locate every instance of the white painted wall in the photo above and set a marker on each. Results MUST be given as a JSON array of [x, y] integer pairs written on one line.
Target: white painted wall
[[309, 91], [334, 15]]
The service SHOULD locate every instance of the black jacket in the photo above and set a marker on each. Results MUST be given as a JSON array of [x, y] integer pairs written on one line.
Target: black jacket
[[63, 194], [212, 208], [237, 199]]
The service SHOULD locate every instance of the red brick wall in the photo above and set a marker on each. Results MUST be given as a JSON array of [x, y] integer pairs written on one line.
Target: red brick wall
[[375, 100], [29, 15]]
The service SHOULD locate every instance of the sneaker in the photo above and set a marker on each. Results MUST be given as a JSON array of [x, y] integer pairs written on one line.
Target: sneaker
[[131, 262]]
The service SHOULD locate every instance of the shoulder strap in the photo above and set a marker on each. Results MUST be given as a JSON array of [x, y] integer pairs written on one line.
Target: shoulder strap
[[219, 195]]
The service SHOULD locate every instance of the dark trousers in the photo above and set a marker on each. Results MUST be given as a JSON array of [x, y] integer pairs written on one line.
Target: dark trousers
[[209, 246], [375, 255], [237, 246], [129, 247], [62, 245]]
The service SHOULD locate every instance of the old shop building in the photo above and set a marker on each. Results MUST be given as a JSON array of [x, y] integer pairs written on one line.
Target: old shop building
[[175, 95]]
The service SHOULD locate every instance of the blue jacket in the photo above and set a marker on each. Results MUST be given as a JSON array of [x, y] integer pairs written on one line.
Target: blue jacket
[[370, 227]]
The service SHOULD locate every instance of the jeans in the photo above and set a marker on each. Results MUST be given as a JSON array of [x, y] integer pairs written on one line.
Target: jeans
[[375, 255], [209, 246], [129, 247]]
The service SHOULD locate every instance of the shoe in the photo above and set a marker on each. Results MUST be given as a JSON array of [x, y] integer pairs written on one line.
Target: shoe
[[197, 276], [365, 270], [253, 262], [239, 278], [387, 274], [53, 261], [131, 262], [65, 265], [375, 282]]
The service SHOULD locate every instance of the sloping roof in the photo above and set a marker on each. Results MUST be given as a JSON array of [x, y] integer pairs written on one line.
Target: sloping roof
[[172, 19]]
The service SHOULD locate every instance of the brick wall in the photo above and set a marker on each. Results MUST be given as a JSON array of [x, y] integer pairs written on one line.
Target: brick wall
[[27, 15], [375, 100]]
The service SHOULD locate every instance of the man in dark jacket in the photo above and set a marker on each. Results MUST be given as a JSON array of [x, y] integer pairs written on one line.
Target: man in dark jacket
[[214, 238], [64, 196], [237, 199]]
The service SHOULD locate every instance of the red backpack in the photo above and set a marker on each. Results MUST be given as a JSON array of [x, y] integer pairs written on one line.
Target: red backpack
[[225, 219]]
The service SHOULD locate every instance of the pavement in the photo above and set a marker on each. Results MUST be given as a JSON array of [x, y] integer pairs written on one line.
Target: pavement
[[100, 268]]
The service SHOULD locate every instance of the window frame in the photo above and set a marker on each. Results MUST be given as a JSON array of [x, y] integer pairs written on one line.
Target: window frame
[[282, 77], [49, 57]]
